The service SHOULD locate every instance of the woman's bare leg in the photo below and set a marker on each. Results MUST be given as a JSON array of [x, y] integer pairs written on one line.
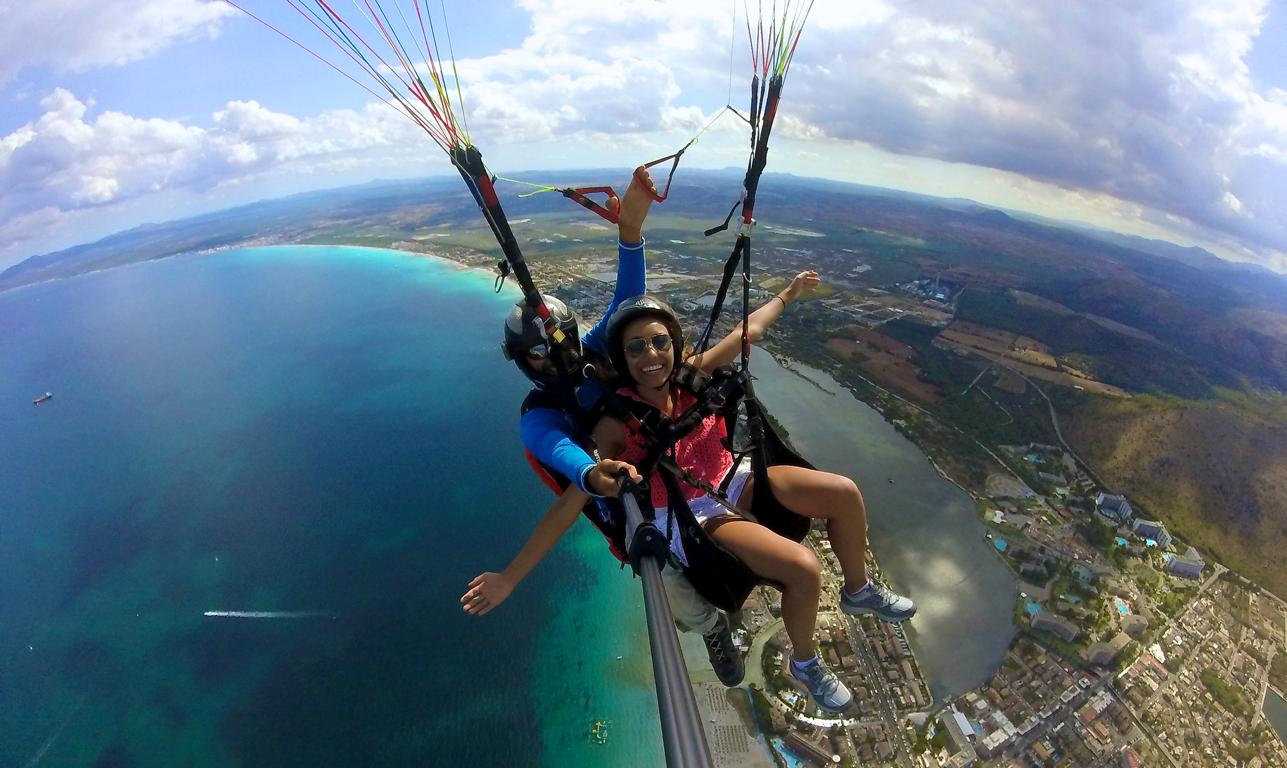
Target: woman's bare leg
[[786, 562], [830, 497]]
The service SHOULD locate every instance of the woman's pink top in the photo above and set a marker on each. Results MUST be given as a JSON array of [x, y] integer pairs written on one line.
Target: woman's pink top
[[701, 452]]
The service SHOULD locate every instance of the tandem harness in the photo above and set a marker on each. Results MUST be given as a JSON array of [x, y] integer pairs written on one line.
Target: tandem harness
[[716, 574]]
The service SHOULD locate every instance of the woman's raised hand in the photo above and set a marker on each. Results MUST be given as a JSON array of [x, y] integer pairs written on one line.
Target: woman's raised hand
[[803, 283]]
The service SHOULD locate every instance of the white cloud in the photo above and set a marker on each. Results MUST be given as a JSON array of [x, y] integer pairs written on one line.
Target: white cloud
[[74, 36], [1146, 104], [1150, 102], [70, 160]]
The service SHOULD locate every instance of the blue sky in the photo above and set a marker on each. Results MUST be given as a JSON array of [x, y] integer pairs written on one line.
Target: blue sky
[[1166, 118]]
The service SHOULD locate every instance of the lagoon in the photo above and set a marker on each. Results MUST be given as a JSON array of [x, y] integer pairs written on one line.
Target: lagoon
[[1275, 710], [924, 531]]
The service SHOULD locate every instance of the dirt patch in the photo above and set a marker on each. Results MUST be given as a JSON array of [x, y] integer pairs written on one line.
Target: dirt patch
[[1009, 381], [1001, 486], [1041, 373], [1032, 300], [886, 360], [1012, 345], [1020, 354], [979, 277]]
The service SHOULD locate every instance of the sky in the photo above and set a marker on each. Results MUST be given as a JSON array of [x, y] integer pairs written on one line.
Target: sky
[[1162, 118]]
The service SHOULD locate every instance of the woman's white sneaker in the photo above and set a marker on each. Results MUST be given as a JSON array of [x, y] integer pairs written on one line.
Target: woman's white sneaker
[[878, 600], [826, 689]]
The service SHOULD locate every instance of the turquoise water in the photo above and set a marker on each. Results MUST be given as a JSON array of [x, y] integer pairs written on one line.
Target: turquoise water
[[320, 430], [1031, 607], [1120, 541], [792, 759], [999, 544]]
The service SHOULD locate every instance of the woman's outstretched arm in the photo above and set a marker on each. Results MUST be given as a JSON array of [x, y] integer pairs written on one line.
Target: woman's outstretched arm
[[728, 348]]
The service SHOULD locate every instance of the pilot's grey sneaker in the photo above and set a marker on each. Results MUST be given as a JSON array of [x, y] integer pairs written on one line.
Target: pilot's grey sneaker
[[827, 691], [878, 600], [725, 659]]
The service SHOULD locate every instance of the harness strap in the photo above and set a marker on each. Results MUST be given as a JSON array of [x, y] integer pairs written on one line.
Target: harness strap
[[730, 269], [716, 393], [718, 495]]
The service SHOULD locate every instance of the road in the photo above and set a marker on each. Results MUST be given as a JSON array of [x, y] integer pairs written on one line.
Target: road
[[884, 701], [1054, 422]]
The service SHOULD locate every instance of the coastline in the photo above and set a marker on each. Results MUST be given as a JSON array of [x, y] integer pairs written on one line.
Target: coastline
[[437, 257]]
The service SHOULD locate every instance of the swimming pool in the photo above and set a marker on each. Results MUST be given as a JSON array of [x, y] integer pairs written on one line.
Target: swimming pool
[[792, 759]]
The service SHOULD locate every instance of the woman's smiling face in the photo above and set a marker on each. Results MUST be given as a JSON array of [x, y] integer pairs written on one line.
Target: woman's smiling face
[[650, 367]]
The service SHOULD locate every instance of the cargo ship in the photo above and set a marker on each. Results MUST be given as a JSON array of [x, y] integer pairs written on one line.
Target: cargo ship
[[42, 398]]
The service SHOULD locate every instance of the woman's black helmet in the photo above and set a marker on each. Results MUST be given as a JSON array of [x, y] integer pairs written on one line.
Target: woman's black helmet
[[524, 333], [632, 309]]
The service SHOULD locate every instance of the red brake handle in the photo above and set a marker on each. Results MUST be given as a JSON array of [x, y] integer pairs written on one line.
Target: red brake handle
[[675, 164], [578, 196]]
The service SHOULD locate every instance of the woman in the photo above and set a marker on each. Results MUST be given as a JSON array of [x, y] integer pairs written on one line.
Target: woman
[[645, 341]]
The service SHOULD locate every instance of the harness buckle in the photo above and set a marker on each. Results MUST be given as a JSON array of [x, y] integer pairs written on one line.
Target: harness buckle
[[692, 378]]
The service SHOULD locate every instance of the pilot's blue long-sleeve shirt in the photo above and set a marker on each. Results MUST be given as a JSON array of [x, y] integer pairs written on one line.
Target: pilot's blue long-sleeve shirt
[[547, 432]]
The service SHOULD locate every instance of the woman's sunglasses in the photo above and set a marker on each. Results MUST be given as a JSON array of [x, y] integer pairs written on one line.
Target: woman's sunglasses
[[636, 346]]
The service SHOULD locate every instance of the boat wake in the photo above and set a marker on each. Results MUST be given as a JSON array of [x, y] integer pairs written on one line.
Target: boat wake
[[271, 614], [40, 753]]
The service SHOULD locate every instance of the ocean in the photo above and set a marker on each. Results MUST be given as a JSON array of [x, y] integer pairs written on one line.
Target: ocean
[[317, 430], [329, 435]]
